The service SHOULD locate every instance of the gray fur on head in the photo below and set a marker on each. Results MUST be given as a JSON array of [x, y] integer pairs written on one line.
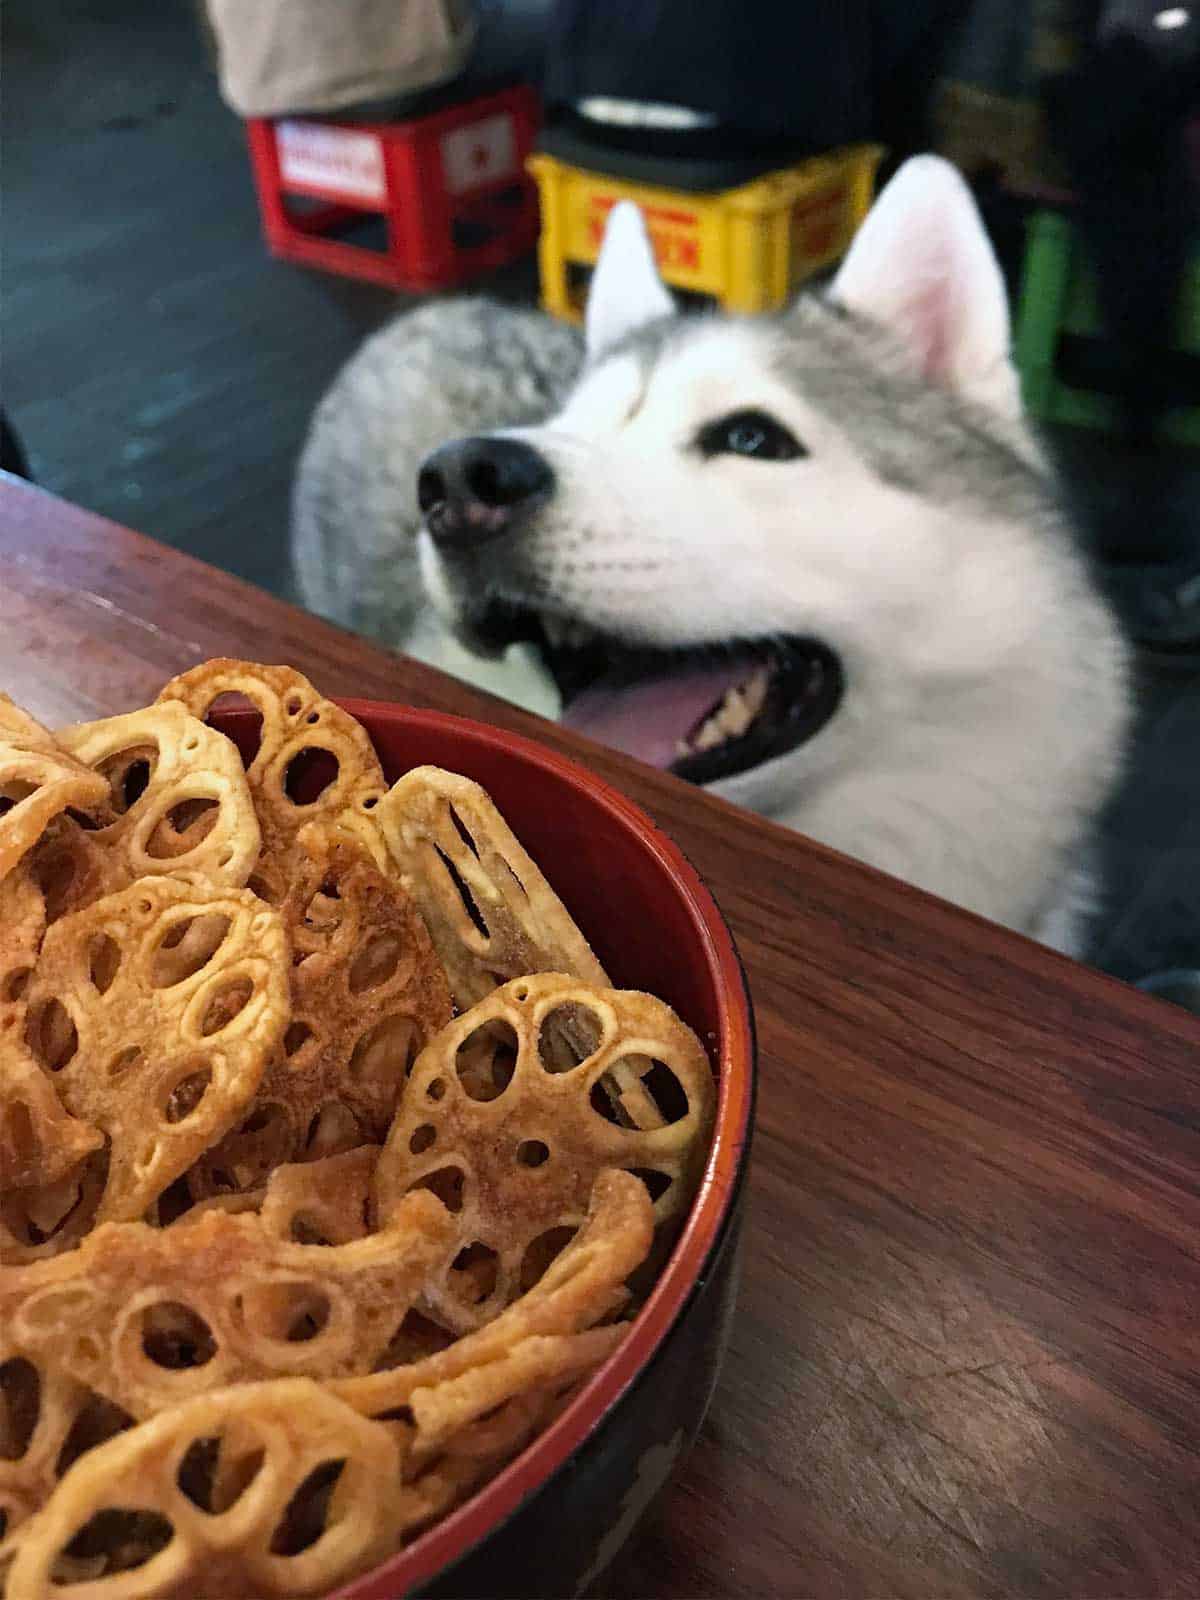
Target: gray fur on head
[[448, 368]]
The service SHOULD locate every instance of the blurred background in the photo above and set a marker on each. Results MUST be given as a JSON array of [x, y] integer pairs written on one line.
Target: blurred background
[[160, 365]]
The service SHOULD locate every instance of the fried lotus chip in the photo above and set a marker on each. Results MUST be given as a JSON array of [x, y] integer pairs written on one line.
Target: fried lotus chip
[[156, 1010], [45, 1219], [310, 1202], [491, 912], [367, 993], [265, 1489], [178, 800], [46, 1421], [582, 1287], [513, 1144], [304, 739], [149, 1317], [38, 781], [321, 1202], [39, 1142]]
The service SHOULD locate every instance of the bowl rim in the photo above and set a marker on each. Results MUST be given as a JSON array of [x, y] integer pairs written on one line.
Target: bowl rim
[[451, 1539]]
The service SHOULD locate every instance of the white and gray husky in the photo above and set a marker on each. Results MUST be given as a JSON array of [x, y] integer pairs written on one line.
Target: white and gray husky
[[815, 561]]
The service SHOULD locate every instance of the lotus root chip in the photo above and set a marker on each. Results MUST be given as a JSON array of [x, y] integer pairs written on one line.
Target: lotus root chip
[[46, 1419], [39, 780], [45, 1219], [367, 993], [581, 1288], [156, 1010], [178, 801], [151, 1316], [514, 1143], [313, 761], [266, 1489], [39, 1141], [310, 1202], [491, 912], [321, 1202]]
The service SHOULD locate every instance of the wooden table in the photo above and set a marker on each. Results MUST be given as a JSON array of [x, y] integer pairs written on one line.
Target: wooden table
[[966, 1359]]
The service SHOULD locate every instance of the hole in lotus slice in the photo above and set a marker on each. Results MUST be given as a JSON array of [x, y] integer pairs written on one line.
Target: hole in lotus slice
[[20, 1406], [386, 1052], [226, 1002], [307, 1516], [51, 1034], [376, 963], [309, 773], [14, 983], [128, 774], [486, 1059], [334, 1129], [570, 1034], [464, 833], [215, 1473], [473, 1274], [297, 1036], [16, 1131], [532, 1153], [96, 1421], [540, 1252], [175, 1337], [448, 1183], [649, 1096], [423, 1138], [473, 916], [657, 1183], [182, 828], [104, 960], [116, 1540], [285, 1310], [245, 729], [186, 948], [187, 1093]]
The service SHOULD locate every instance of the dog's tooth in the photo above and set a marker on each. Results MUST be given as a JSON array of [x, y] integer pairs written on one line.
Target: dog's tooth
[[754, 692], [709, 736], [736, 715]]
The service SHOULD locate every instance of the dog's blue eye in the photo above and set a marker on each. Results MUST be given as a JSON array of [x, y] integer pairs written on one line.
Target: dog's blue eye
[[749, 433]]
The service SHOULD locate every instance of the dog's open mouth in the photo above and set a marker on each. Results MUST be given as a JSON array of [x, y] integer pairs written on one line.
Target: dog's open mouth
[[704, 713]]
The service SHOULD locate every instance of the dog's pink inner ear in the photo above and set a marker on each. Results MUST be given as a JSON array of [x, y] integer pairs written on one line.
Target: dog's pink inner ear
[[922, 264], [626, 291]]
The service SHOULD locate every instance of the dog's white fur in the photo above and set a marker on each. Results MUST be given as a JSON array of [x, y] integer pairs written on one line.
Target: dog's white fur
[[986, 703]]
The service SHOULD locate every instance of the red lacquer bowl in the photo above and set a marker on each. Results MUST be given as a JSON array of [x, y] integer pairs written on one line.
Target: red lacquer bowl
[[551, 1521]]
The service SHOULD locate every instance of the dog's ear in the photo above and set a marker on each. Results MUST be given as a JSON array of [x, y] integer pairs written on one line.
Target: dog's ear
[[626, 291], [922, 264]]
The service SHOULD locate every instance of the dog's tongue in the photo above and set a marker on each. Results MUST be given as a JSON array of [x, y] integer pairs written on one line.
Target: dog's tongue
[[647, 719]]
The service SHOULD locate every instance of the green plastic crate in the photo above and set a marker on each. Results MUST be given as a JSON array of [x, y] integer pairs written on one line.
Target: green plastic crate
[[1058, 297]]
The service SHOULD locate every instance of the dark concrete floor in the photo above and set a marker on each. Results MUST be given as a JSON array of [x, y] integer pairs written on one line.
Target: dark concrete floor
[[161, 369]]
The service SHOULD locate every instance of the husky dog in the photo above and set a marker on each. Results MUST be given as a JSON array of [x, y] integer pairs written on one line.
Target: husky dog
[[814, 561]]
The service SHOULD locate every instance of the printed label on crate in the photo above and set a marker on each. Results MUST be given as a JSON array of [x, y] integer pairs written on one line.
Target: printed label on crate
[[340, 161], [818, 228], [483, 152], [674, 232]]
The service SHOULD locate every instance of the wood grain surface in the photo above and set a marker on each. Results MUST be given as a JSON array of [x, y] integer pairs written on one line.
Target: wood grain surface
[[966, 1359]]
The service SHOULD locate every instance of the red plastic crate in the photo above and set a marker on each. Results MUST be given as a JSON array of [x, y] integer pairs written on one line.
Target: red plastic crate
[[451, 187]]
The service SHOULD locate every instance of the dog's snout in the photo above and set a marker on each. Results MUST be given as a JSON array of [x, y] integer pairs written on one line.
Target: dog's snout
[[471, 489]]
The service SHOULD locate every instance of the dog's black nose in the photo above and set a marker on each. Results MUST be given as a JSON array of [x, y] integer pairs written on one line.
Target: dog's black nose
[[471, 489]]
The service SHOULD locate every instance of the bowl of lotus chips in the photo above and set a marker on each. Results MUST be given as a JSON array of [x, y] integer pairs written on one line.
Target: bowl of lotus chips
[[375, 1093]]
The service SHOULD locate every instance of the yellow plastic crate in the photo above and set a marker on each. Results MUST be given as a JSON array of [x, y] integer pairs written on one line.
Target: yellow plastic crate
[[746, 248]]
